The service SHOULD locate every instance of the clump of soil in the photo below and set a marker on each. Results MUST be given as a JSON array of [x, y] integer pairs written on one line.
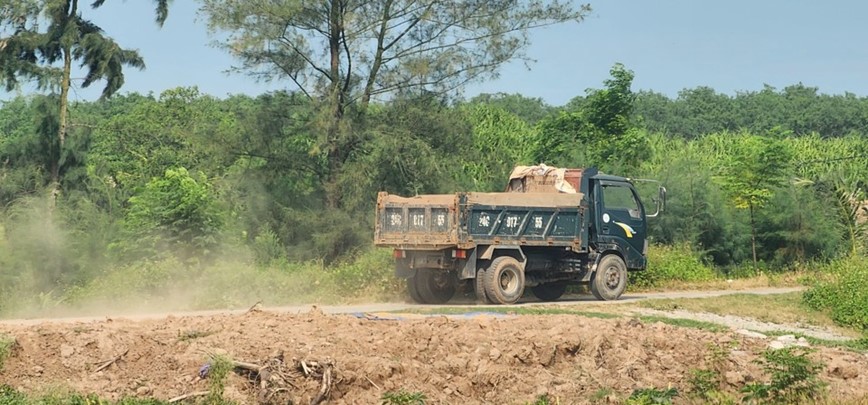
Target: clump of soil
[[504, 360]]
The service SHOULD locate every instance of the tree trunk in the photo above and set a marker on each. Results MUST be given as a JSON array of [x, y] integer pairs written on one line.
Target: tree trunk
[[336, 99], [63, 124], [753, 235]]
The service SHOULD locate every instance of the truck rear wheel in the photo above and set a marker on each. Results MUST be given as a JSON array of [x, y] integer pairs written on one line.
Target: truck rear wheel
[[610, 279], [479, 288], [435, 286], [413, 291], [504, 281], [549, 291]]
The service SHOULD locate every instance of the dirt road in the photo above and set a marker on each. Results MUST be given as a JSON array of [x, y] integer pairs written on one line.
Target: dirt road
[[400, 306], [471, 359]]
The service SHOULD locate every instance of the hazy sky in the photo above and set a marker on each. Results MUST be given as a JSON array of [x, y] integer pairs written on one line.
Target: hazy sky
[[733, 45]]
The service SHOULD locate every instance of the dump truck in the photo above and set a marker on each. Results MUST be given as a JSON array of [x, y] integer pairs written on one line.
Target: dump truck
[[551, 228]]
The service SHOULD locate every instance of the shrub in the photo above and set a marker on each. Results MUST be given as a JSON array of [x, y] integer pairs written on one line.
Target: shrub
[[174, 213], [666, 263], [794, 378], [844, 293]]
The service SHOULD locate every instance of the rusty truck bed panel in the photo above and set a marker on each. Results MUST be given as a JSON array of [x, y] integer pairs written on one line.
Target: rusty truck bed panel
[[464, 220], [540, 200], [430, 199]]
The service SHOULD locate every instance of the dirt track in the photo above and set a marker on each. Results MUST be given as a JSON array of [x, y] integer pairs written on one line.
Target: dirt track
[[486, 359]]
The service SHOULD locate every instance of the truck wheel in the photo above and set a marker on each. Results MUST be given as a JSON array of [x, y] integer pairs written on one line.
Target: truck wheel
[[504, 281], [435, 286], [549, 291], [610, 279], [479, 288], [413, 291]]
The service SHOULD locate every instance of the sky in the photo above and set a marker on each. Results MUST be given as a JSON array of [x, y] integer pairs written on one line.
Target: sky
[[731, 46]]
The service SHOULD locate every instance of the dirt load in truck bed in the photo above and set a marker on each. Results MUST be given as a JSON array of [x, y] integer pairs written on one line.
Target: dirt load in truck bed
[[451, 360]]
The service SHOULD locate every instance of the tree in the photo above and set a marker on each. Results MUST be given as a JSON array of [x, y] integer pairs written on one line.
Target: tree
[[346, 52], [751, 168], [32, 54], [599, 133]]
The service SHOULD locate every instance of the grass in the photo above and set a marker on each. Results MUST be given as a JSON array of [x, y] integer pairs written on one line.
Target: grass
[[7, 344], [765, 280], [785, 308], [9, 396], [684, 323]]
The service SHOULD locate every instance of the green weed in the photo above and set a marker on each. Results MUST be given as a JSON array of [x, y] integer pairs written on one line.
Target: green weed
[[601, 394], [221, 366], [543, 400], [402, 397], [794, 378], [651, 396]]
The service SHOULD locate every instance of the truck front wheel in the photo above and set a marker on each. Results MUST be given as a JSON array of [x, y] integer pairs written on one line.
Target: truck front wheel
[[435, 286], [610, 279], [504, 281]]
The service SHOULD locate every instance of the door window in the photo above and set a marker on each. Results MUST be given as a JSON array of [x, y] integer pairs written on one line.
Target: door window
[[620, 199]]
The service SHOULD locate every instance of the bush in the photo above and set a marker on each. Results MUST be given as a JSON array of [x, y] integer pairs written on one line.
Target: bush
[[844, 293], [666, 263], [794, 378], [176, 213]]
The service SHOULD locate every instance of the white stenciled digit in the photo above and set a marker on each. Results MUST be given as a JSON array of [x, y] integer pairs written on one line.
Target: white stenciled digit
[[441, 219], [395, 220], [484, 220], [418, 220], [511, 221], [537, 222]]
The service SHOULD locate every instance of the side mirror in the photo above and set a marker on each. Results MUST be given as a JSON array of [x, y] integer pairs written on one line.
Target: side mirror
[[660, 202]]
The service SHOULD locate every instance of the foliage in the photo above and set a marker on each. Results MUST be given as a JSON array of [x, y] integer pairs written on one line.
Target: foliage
[[755, 165], [843, 293], [402, 397], [667, 263], [794, 378], [174, 213], [500, 142], [650, 396], [798, 108], [599, 134]]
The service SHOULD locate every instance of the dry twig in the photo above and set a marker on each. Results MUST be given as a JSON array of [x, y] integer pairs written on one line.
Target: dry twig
[[114, 360], [190, 395]]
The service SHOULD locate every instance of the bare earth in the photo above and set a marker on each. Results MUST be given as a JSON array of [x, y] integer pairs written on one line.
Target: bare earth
[[452, 360]]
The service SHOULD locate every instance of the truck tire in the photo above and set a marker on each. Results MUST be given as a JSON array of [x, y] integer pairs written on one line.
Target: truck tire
[[504, 281], [610, 279], [413, 291], [549, 291], [435, 286], [479, 288]]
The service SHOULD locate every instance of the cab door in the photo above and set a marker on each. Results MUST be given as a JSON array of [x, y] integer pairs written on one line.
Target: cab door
[[622, 218]]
